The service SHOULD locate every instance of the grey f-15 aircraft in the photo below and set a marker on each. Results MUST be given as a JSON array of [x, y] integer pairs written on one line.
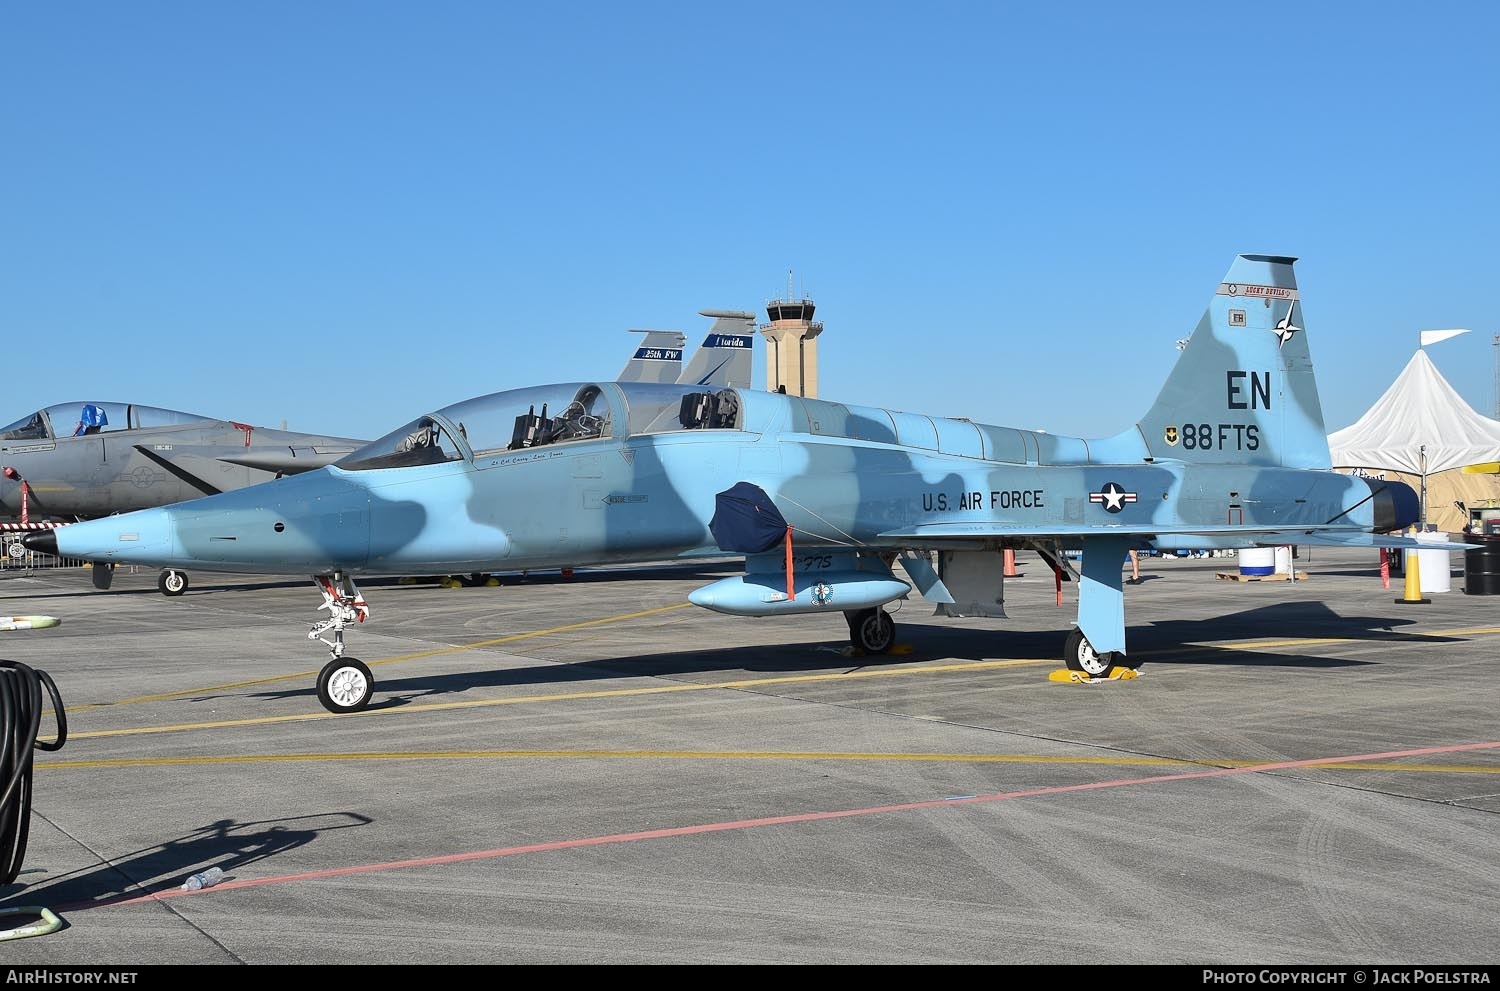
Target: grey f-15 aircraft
[[90, 459], [822, 499]]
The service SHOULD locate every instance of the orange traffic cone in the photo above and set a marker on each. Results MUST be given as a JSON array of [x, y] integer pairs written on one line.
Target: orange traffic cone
[[1010, 563], [1413, 579]]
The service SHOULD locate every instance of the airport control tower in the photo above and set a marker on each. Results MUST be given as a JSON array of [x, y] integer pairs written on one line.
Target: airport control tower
[[792, 345]]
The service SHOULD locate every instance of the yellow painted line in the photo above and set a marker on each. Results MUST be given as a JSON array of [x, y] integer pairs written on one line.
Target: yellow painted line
[[563, 696], [654, 690], [749, 755], [1313, 641], [1255, 645]]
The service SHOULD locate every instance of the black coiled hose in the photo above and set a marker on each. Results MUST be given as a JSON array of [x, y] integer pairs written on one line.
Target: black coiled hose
[[20, 719]]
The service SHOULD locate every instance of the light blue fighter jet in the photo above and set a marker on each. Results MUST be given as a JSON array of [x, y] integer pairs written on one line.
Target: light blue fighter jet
[[823, 500]]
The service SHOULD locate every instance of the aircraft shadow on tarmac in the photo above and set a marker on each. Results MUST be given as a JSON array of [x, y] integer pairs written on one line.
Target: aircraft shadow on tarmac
[[226, 844], [1170, 642], [693, 571]]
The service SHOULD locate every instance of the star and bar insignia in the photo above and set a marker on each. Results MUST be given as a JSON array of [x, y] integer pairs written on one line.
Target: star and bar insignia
[[1112, 497]]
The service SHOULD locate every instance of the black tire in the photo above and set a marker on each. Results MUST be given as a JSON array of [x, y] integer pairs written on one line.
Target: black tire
[[102, 575], [1079, 655], [172, 582], [345, 685], [872, 631]]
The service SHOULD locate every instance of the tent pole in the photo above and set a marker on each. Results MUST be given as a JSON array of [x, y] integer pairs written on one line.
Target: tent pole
[[1424, 487]]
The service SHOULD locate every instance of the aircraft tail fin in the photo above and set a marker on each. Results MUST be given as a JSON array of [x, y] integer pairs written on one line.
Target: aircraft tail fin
[[657, 359], [1242, 391], [724, 357]]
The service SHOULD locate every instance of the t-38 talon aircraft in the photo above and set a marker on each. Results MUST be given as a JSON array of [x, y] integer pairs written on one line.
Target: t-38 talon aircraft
[[822, 499], [76, 461]]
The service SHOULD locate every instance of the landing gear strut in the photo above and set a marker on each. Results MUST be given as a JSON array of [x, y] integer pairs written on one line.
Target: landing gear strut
[[345, 683]]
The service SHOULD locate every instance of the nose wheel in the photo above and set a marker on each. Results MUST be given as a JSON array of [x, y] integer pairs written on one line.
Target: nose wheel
[[172, 582], [345, 685]]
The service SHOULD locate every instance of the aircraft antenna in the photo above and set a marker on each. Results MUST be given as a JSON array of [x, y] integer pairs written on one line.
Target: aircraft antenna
[[1497, 376]]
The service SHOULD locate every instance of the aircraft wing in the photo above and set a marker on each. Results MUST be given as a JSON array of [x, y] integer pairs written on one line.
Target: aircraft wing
[[287, 461], [176, 468], [1331, 536]]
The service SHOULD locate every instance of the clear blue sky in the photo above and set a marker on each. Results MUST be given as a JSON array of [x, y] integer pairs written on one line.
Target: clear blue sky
[[343, 214]]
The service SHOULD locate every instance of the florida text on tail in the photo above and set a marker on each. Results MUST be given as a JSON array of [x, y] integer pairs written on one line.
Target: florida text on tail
[[723, 359], [823, 500]]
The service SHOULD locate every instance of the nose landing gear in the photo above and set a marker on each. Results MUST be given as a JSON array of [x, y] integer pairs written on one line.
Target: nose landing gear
[[345, 683]]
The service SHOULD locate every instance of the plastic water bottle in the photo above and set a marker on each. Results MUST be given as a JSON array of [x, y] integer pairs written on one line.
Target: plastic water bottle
[[203, 879]]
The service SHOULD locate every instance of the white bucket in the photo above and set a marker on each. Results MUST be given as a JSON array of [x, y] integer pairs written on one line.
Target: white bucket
[[1257, 561], [1284, 560], [1435, 564]]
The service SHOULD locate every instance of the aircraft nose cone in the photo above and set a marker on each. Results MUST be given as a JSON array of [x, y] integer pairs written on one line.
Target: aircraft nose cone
[[43, 541]]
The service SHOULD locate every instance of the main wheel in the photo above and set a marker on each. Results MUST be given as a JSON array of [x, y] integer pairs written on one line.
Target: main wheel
[[345, 685], [1079, 655], [172, 582], [872, 631], [102, 575]]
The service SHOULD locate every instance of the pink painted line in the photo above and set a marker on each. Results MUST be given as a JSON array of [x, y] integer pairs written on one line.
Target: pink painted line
[[718, 827]]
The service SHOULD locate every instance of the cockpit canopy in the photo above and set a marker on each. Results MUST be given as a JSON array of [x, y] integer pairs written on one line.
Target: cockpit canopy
[[552, 414], [82, 419]]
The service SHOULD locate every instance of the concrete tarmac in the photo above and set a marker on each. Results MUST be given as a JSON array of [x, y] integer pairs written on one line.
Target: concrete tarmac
[[588, 770]]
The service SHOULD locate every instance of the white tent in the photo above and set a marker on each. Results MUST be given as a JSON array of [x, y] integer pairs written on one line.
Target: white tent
[[1422, 427]]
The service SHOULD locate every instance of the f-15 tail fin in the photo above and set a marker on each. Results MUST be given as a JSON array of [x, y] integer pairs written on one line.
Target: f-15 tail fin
[[658, 359], [1243, 391], [724, 358]]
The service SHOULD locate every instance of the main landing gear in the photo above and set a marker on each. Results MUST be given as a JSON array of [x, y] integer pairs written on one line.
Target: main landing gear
[[871, 630], [345, 683], [1080, 656]]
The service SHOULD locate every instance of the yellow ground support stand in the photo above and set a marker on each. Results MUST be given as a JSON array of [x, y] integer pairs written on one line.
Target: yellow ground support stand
[[1116, 673]]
